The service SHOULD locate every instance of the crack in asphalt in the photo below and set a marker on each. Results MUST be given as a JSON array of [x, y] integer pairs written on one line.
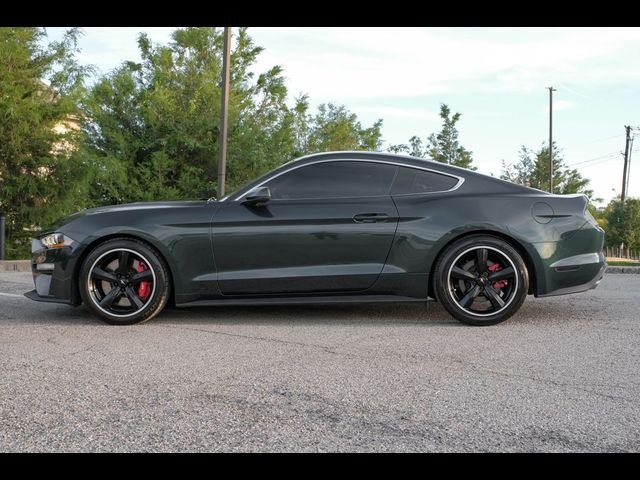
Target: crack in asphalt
[[556, 383], [252, 337], [453, 361]]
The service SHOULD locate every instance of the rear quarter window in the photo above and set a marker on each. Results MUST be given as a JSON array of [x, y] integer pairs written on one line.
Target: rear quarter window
[[412, 180]]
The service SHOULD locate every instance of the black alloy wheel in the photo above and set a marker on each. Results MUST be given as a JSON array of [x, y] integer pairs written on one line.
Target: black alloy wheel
[[124, 281], [481, 280]]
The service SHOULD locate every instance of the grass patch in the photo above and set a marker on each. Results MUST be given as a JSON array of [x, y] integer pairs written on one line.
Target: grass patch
[[616, 263]]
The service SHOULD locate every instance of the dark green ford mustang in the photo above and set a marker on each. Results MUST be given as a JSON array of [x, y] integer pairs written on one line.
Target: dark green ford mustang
[[327, 228]]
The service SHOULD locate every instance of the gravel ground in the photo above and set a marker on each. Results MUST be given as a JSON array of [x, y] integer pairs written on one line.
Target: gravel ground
[[561, 375]]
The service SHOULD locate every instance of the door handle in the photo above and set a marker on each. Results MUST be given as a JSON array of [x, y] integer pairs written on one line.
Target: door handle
[[370, 217]]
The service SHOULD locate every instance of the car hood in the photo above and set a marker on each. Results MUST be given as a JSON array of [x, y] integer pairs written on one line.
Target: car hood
[[122, 208], [143, 206]]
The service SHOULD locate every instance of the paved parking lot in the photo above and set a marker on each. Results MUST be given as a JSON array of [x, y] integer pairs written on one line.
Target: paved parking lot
[[561, 375]]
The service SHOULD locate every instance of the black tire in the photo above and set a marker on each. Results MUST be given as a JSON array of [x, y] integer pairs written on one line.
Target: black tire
[[112, 277], [481, 295]]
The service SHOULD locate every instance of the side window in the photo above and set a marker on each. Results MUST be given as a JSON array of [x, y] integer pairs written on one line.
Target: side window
[[334, 180], [412, 180]]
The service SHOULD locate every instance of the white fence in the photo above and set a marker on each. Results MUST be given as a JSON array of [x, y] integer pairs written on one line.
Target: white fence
[[622, 252]]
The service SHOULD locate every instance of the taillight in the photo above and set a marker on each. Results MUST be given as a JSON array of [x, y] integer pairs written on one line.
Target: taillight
[[590, 218]]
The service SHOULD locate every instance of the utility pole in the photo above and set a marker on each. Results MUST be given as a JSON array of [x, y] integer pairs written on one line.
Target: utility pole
[[2, 236], [623, 195], [629, 161], [224, 114], [551, 90]]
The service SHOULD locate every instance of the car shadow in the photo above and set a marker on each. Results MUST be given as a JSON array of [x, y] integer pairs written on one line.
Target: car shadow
[[428, 313], [546, 311]]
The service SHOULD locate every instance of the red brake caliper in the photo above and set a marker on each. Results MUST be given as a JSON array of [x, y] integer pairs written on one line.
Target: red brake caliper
[[494, 268], [144, 289]]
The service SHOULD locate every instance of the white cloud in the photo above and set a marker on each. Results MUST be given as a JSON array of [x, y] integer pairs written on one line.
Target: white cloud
[[108, 47], [558, 105], [561, 105], [405, 113], [353, 63]]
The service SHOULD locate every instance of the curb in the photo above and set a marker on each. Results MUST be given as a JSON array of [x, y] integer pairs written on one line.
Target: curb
[[15, 265], [632, 270]]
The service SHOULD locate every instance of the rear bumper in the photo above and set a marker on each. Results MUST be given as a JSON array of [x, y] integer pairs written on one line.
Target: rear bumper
[[573, 264], [579, 269]]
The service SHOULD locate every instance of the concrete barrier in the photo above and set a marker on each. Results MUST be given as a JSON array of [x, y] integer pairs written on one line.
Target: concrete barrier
[[613, 269], [15, 265]]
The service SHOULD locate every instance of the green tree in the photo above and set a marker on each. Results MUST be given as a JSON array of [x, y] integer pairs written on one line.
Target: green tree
[[155, 123], [42, 176], [415, 147], [443, 146], [154, 129], [623, 223], [600, 214], [532, 170], [334, 127]]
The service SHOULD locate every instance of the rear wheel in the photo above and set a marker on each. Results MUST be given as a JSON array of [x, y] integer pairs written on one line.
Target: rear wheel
[[481, 280], [124, 281]]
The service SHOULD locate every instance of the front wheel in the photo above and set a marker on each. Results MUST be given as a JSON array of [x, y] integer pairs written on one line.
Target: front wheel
[[481, 280], [124, 281]]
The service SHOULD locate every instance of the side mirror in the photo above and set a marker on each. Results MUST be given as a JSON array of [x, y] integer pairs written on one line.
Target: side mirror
[[257, 196]]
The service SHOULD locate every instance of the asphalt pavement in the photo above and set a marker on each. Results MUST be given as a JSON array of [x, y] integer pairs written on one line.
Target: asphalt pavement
[[561, 375]]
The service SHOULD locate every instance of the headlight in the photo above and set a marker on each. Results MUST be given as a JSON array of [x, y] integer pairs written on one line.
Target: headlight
[[56, 240]]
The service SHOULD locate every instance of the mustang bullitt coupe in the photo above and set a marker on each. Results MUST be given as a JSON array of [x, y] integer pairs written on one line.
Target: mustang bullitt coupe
[[328, 228]]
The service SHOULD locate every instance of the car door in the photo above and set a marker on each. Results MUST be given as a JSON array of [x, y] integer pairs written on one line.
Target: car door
[[328, 227]]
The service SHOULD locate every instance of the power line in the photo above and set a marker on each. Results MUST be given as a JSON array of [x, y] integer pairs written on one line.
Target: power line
[[597, 160], [603, 139], [606, 155], [610, 159]]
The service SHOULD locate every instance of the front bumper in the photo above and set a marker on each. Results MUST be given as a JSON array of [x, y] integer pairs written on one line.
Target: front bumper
[[33, 295], [52, 270]]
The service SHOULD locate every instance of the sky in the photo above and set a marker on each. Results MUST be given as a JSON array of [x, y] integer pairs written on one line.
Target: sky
[[497, 78]]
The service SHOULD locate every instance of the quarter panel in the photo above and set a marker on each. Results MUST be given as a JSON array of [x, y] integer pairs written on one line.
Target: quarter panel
[[429, 222]]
